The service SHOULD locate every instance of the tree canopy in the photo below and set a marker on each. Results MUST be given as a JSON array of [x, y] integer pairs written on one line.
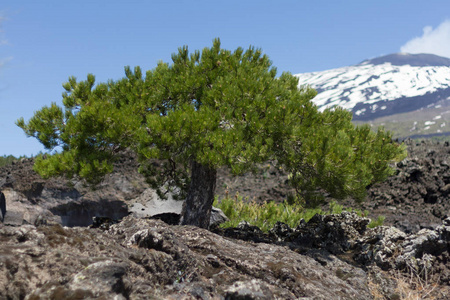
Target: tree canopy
[[203, 111]]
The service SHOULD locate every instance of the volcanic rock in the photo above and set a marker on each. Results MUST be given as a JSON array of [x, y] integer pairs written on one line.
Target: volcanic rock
[[148, 259], [142, 258]]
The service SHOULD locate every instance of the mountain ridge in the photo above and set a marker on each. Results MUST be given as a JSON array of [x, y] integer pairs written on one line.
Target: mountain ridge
[[414, 60]]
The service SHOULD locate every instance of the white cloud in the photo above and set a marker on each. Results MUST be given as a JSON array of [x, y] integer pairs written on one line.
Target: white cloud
[[434, 41]]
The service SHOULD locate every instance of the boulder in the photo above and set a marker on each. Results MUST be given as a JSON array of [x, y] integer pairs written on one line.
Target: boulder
[[149, 205], [69, 207], [379, 245], [336, 233]]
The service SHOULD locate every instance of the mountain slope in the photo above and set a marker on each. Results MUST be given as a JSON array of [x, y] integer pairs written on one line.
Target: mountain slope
[[383, 86]]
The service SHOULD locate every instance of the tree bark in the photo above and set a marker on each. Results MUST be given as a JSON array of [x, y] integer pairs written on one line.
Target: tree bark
[[200, 197]]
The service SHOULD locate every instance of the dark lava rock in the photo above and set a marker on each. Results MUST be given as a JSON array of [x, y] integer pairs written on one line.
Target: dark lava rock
[[417, 196]]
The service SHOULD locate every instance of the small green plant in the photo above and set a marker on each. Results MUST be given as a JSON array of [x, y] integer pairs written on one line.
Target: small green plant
[[262, 215], [378, 222], [265, 215], [338, 208]]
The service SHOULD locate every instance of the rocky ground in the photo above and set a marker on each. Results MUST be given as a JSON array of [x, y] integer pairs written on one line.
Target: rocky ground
[[330, 257], [416, 197]]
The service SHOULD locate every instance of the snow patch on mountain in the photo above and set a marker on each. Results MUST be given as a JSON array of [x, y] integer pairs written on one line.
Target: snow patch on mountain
[[370, 86], [371, 83]]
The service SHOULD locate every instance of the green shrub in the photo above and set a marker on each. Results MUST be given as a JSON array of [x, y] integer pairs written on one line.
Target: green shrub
[[267, 214]]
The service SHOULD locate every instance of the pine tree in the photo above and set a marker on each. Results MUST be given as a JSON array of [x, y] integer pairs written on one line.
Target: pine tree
[[203, 111]]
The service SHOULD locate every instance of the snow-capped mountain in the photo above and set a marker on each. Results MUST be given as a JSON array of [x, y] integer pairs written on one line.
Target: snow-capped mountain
[[383, 86]]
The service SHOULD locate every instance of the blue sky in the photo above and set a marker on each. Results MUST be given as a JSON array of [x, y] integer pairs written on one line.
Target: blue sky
[[42, 43]]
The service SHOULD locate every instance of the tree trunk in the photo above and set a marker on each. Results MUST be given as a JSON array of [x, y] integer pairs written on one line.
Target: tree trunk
[[200, 197]]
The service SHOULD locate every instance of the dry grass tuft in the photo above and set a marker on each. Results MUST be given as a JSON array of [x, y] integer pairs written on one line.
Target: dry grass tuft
[[407, 287], [414, 287]]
